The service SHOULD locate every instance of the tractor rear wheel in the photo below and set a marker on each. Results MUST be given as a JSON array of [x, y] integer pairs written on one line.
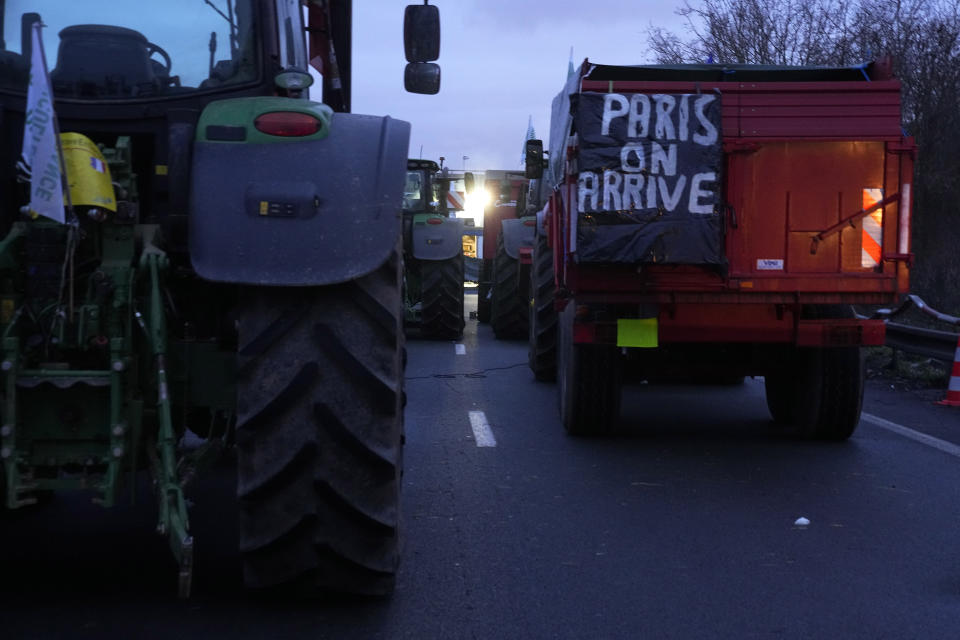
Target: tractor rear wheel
[[441, 315], [508, 309], [590, 377], [542, 354], [319, 434]]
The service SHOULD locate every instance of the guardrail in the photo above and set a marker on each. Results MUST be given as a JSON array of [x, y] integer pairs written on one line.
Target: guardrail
[[939, 345], [930, 343]]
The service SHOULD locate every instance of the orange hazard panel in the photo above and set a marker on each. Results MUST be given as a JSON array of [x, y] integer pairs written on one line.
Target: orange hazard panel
[[784, 193], [872, 236]]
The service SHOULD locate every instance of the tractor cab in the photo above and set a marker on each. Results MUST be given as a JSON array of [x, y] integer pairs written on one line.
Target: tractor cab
[[426, 188]]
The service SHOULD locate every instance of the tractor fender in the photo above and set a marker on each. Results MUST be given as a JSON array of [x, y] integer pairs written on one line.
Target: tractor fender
[[436, 241], [516, 235], [299, 212]]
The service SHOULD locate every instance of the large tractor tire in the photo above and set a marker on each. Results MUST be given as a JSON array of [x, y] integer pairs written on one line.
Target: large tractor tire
[[319, 434], [542, 353], [508, 308], [483, 290], [441, 315], [590, 377], [819, 392]]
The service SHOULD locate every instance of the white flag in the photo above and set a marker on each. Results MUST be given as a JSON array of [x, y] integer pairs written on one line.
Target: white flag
[[40, 154]]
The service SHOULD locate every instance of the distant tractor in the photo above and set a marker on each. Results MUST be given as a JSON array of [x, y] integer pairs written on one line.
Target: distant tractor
[[508, 233], [433, 253]]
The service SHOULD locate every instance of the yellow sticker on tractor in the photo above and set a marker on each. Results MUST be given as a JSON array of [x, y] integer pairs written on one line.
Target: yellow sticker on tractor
[[637, 332]]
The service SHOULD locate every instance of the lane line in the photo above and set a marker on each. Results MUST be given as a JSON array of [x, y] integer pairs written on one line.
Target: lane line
[[481, 429], [461, 349], [906, 432]]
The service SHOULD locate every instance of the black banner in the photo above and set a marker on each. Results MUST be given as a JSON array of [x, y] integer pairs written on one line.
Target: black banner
[[649, 182]]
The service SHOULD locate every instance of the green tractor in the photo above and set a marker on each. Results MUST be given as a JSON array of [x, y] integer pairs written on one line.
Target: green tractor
[[433, 252], [225, 268]]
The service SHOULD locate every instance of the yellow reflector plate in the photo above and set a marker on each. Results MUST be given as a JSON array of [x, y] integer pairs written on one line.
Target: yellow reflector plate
[[637, 332]]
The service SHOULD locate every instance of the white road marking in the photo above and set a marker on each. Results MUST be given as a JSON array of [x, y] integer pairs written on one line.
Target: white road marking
[[922, 438], [461, 349], [481, 430]]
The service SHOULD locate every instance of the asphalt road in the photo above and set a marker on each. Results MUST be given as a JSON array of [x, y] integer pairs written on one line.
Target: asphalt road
[[681, 526]]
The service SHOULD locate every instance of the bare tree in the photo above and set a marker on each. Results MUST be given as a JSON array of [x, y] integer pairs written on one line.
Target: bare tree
[[781, 32]]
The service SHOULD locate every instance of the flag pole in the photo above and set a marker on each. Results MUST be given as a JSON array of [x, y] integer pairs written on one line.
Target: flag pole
[[67, 272], [56, 123]]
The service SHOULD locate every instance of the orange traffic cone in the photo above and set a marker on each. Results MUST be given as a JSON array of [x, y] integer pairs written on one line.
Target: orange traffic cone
[[953, 390]]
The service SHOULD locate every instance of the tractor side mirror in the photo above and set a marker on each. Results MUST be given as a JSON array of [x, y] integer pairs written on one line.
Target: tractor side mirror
[[421, 44], [534, 159], [422, 77], [421, 33], [468, 182]]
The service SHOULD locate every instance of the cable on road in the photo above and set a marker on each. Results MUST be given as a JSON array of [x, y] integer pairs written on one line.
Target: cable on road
[[473, 374]]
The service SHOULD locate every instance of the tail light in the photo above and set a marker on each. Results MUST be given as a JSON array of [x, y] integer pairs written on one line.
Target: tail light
[[287, 123], [434, 220]]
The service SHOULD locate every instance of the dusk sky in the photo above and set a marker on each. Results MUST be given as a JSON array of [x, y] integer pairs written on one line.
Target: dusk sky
[[502, 61]]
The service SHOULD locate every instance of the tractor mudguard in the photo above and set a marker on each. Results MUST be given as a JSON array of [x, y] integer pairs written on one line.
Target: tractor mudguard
[[295, 211], [436, 241], [516, 235]]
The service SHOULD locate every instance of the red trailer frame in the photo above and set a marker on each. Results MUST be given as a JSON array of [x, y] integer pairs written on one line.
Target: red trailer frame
[[797, 159]]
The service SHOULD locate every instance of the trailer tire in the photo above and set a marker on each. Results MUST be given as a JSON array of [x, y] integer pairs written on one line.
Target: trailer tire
[[590, 377], [820, 391], [508, 311], [319, 434], [441, 315], [828, 392], [483, 290], [542, 353]]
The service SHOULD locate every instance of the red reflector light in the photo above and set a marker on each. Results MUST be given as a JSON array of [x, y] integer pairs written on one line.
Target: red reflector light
[[529, 223], [434, 220], [584, 333], [287, 123]]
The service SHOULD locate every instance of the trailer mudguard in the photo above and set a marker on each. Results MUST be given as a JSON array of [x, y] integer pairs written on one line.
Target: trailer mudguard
[[436, 241], [299, 211], [516, 235]]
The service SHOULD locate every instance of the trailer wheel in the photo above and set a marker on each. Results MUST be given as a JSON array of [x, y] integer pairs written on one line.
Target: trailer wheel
[[820, 391], [483, 290], [821, 394], [508, 309], [841, 393], [542, 353], [319, 428], [590, 377], [442, 294]]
